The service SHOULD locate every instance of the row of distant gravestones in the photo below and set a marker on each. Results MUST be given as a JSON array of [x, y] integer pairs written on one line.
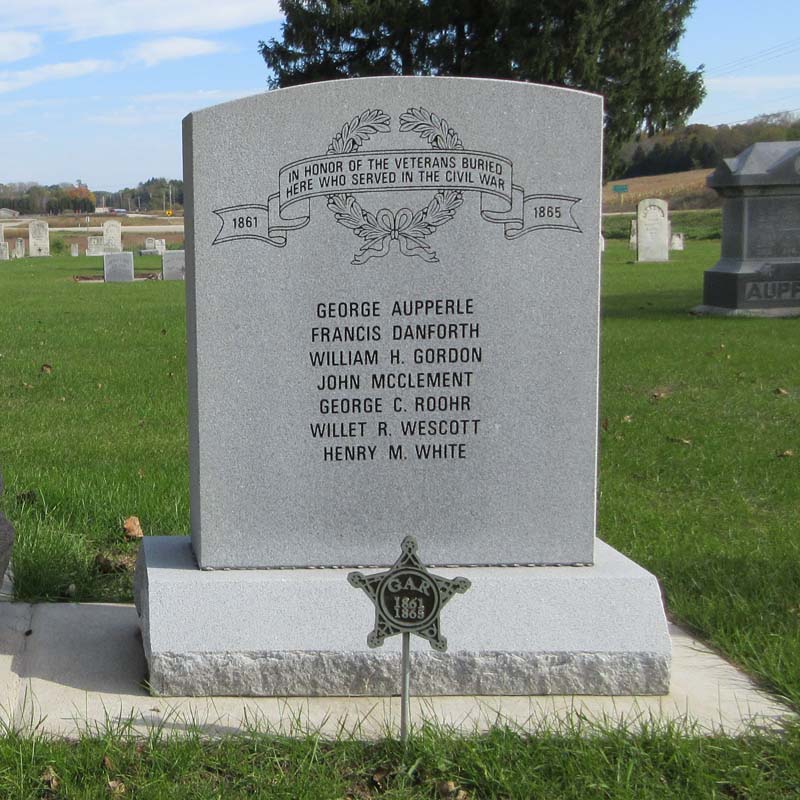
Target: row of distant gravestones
[[652, 220], [173, 265], [118, 267], [39, 241]]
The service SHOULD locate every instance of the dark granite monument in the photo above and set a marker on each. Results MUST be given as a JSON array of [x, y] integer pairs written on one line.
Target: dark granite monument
[[759, 271]]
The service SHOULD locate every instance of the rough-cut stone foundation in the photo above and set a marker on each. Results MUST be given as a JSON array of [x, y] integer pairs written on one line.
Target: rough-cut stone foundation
[[519, 630]]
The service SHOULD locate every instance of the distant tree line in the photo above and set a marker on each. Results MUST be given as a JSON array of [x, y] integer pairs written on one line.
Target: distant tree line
[[31, 198], [678, 150], [626, 50], [155, 194], [704, 146]]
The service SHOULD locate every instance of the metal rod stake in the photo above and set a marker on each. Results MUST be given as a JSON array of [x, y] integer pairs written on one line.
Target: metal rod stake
[[405, 689]]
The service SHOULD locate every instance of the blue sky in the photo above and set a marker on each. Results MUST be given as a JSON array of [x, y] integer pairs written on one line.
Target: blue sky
[[95, 89]]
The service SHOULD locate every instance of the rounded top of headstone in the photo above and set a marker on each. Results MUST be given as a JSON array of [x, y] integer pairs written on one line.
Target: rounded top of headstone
[[761, 164], [343, 86], [652, 205]]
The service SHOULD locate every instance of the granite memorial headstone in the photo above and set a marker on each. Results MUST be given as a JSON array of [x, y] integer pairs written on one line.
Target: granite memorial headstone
[[379, 346], [759, 271], [652, 230], [173, 265], [149, 248], [38, 239], [112, 236], [94, 246], [118, 267]]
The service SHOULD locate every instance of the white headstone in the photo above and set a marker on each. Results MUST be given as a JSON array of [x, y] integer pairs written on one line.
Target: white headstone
[[112, 236], [74, 250], [652, 230], [161, 245], [149, 243], [19, 248], [676, 241], [4, 255], [2, 237], [38, 239], [393, 329], [759, 271], [94, 246], [632, 235], [118, 267], [173, 265]]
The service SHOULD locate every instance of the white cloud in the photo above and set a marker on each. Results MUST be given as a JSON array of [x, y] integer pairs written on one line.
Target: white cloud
[[16, 45], [167, 107], [173, 49], [88, 19], [12, 81], [192, 98], [44, 106], [753, 83]]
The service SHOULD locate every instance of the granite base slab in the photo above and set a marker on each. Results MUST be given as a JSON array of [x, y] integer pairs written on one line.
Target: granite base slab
[[759, 288], [597, 630]]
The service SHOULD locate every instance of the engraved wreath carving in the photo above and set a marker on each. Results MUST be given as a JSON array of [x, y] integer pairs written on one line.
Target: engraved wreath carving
[[407, 227]]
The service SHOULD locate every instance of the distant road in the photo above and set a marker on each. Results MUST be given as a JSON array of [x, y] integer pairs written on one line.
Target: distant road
[[127, 229], [21, 222]]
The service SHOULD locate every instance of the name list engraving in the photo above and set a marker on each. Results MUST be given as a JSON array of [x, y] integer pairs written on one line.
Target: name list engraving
[[395, 378]]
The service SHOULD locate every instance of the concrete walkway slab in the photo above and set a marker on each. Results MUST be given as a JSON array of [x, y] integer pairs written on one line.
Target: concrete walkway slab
[[75, 667]]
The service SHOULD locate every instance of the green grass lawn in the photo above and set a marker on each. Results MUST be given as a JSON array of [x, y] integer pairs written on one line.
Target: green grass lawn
[[696, 482], [613, 765], [705, 224], [97, 435], [699, 468]]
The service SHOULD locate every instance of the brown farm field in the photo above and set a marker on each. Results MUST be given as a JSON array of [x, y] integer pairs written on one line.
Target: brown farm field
[[682, 190], [92, 220]]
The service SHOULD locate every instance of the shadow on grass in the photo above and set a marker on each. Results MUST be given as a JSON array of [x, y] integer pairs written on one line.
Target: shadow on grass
[[653, 304]]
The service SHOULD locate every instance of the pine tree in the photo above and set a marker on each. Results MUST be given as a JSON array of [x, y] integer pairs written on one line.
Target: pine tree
[[622, 49]]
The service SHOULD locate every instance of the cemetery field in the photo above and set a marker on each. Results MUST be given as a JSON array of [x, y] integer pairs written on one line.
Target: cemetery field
[[699, 443], [699, 464]]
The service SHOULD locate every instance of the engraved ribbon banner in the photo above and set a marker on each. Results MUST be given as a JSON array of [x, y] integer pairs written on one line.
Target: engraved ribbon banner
[[502, 202]]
